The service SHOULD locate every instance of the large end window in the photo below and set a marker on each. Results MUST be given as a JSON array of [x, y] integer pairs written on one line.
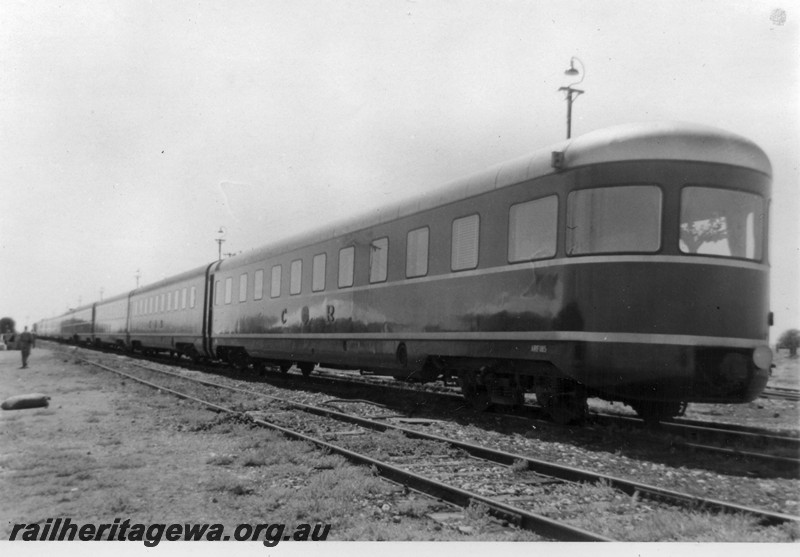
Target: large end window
[[532, 229], [722, 222], [614, 219]]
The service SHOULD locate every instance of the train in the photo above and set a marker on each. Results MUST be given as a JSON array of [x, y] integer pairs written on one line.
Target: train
[[629, 263]]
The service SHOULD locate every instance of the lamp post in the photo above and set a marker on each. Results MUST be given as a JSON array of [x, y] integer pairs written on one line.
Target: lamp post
[[219, 242], [572, 93]]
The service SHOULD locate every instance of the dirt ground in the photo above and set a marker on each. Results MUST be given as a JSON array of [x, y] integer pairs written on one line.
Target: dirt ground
[[95, 433], [107, 448]]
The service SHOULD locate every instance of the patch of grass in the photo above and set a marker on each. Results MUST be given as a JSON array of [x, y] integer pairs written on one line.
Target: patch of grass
[[120, 505], [670, 525], [234, 486], [335, 496], [221, 460], [127, 463], [416, 508], [477, 516], [519, 466]]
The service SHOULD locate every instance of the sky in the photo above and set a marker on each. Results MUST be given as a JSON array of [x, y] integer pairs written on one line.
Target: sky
[[132, 132]]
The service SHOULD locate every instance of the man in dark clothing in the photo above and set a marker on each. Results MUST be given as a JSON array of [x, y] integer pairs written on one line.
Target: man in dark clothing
[[25, 342]]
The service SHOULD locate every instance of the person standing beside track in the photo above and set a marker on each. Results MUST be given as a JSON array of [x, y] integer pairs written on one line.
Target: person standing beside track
[[25, 342]]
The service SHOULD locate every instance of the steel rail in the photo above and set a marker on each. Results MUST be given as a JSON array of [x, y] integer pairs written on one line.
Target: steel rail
[[523, 519], [694, 427], [558, 471], [781, 393]]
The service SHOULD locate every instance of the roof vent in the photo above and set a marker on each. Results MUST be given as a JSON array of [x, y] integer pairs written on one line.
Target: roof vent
[[557, 160]]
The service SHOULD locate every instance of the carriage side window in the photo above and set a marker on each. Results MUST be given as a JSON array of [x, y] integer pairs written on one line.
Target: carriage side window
[[275, 286], [228, 290], [532, 229], [243, 287], [296, 277], [183, 297], [346, 264], [216, 292], [162, 302], [464, 253], [258, 284], [169, 301], [722, 222], [417, 252], [378, 259], [192, 297], [614, 219], [318, 272]]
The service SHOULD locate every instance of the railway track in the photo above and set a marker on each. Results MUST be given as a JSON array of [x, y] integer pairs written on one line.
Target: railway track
[[727, 439], [519, 482], [768, 448]]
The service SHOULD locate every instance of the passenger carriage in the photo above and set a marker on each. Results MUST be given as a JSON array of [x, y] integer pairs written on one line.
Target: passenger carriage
[[629, 263]]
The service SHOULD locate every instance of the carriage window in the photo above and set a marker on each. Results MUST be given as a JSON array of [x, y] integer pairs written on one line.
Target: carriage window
[[228, 290], [417, 253], [296, 277], [183, 297], [275, 287], [722, 222], [378, 259], [614, 219], [464, 254], [532, 229], [346, 261], [243, 287], [318, 272], [258, 285]]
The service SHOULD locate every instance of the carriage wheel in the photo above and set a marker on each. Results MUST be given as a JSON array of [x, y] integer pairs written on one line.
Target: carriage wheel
[[563, 400], [476, 395], [306, 368], [655, 411]]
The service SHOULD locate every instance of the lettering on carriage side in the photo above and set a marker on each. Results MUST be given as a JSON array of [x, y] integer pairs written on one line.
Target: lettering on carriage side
[[330, 311], [283, 316], [539, 348]]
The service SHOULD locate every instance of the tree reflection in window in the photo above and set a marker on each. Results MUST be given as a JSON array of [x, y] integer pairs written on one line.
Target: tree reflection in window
[[716, 221]]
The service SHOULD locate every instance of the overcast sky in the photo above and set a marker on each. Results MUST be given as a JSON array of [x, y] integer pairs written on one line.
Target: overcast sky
[[131, 131]]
